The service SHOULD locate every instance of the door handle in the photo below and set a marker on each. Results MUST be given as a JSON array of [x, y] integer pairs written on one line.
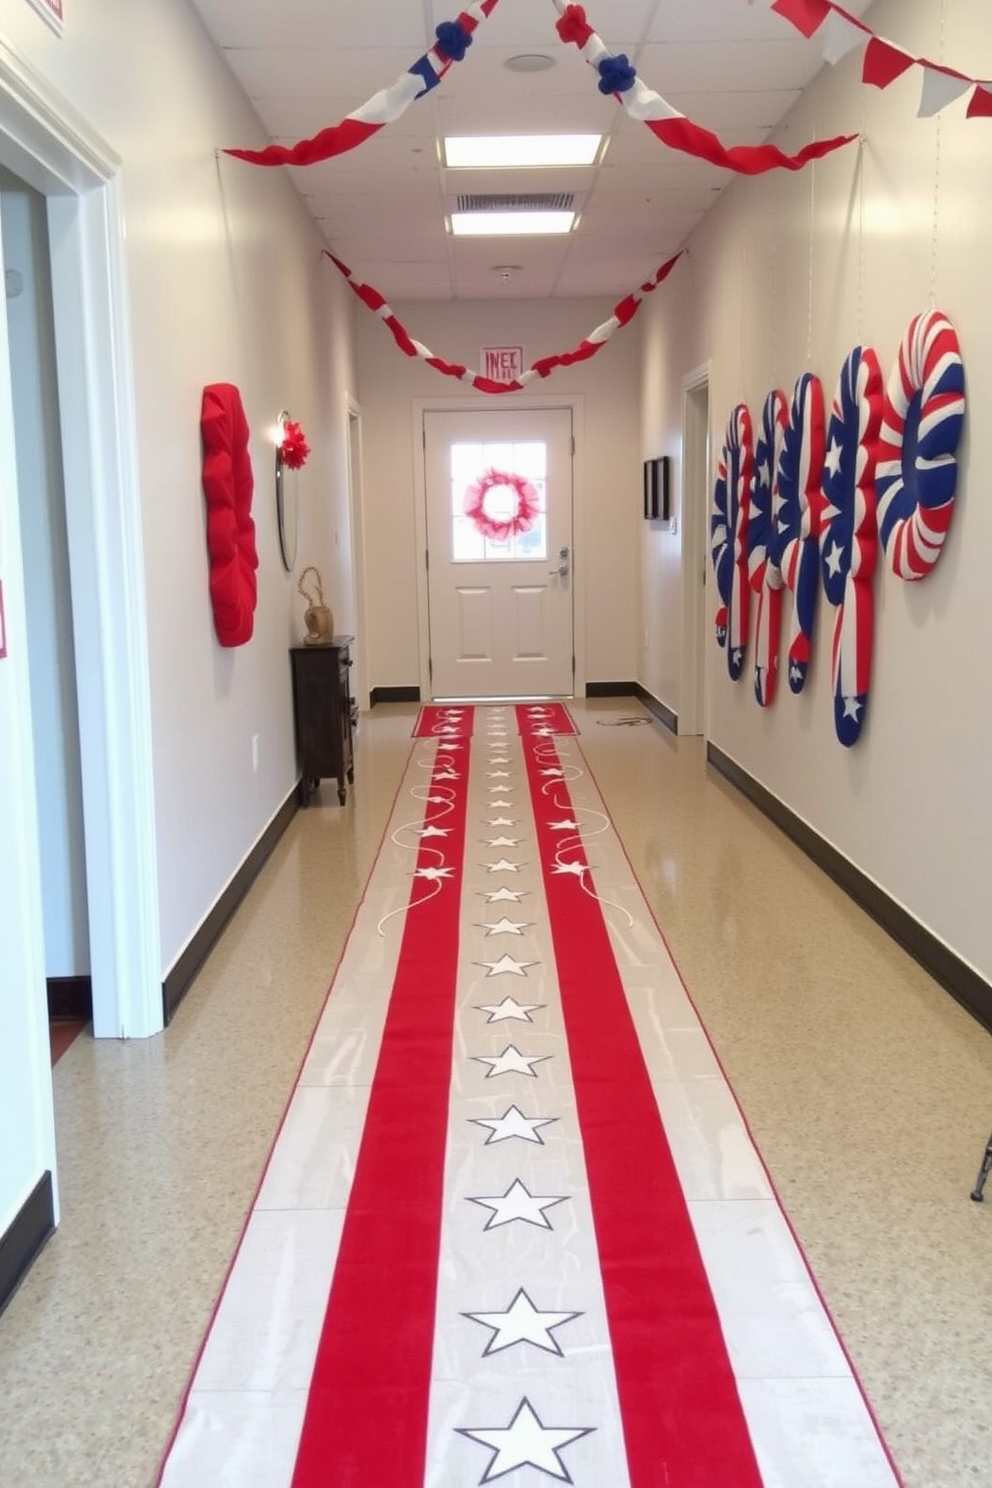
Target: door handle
[[561, 570]]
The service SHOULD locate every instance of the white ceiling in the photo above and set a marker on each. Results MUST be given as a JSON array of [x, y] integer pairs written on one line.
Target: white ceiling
[[731, 65]]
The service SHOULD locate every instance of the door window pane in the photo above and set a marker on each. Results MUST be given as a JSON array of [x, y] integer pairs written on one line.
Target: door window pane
[[496, 519]]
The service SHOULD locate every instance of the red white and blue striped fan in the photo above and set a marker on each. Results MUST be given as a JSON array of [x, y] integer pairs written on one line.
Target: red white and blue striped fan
[[849, 536], [385, 107], [762, 551], [794, 544], [921, 431], [728, 537]]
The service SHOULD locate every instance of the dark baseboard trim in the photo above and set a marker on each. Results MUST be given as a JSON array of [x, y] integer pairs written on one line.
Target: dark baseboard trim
[[179, 979], [27, 1234], [394, 695], [661, 711], [953, 974], [611, 689], [70, 997]]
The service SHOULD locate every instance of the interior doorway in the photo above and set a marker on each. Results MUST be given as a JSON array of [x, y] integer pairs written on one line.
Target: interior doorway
[[695, 549], [500, 552]]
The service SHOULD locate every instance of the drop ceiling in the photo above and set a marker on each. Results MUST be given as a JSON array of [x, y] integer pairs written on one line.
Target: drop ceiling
[[731, 65]]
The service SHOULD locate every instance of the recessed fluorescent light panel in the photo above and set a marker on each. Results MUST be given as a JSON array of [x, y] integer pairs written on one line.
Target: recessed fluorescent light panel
[[516, 151], [510, 224]]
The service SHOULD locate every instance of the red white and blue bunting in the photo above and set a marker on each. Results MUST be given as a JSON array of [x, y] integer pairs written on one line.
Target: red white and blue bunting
[[728, 538], [615, 73], [623, 314], [812, 510], [842, 33], [385, 107], [618, 76]]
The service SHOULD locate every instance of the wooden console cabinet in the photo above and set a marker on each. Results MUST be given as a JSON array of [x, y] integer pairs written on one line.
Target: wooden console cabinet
[[322, 715]]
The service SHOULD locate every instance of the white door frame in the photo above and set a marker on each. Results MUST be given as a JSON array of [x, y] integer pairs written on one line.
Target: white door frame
[[45, 142], [696, 474], [503, 403]]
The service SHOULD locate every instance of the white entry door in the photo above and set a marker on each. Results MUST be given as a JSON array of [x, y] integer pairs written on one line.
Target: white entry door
[[499, 538]]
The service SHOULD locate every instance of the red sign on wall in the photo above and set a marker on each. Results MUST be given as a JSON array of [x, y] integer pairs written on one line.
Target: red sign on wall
[[504, 363], [52, 11]]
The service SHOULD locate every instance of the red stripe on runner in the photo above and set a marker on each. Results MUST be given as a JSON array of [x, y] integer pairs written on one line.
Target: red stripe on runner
[[684, 1425], [366, 1418]]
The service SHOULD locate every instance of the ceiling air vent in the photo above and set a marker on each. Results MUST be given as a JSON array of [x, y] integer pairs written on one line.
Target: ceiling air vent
[[529, 201]]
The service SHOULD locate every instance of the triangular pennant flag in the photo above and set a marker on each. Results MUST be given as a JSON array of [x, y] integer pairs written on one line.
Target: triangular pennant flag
[[840, 36], [884, 63], [806, 15], [939, 89], [980, 106]]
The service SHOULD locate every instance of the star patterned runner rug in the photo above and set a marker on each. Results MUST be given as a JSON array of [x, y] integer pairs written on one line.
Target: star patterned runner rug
[[513, 1227], [457, 721]]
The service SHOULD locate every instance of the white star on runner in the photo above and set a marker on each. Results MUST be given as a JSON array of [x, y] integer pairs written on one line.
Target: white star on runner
[[496, 775], [500, 821], [447, 775], [519, 1203], [503, 866], [502, 841], [500, 805], [525, 1443], [506, 965], [433, 873], [522, 1322], [577, 869], [509, 1008], [498, 896], [555, 773], [513, 1123], [510, 1062], [434, 832], [505, 926], [564, 826]]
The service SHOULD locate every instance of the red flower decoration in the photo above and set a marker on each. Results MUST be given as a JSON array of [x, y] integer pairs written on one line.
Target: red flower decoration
[[293, 448], [573, 26], [498, 529]]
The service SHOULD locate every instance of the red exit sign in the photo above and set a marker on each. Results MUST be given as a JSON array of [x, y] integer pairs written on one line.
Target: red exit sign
[[503, 363]]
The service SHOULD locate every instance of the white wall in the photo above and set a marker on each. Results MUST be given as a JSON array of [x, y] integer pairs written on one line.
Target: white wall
[[227, 284], [48, 598], [884, 231], [608, 472]]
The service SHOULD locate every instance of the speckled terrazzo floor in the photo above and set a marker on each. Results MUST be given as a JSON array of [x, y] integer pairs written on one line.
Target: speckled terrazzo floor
[[869, 1094]]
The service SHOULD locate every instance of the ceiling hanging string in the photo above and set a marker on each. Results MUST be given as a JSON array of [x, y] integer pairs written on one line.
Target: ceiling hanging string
[[935, 225], [812, 266]]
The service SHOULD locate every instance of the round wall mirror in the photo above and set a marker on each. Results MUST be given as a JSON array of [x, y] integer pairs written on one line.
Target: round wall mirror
[[287, 492]]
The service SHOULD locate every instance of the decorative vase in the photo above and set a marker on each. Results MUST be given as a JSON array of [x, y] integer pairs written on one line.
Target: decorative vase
[[317, 617]]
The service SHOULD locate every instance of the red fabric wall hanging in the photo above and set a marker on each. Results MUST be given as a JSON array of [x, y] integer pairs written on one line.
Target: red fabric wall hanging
[[228, 485]]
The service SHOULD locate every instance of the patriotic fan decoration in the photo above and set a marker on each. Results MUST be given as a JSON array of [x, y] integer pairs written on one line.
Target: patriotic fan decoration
[[849, 535], [794, 540], [921, 430], [763, 552], [489, 516], [728, 538]]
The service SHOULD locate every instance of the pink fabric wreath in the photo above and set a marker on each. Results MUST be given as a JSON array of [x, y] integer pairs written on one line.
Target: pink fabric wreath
[[499, 529]]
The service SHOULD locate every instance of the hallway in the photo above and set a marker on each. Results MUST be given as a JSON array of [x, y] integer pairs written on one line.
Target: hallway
[[867, 1089]]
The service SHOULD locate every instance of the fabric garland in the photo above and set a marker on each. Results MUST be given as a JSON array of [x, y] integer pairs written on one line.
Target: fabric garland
[[385, 107], [623, 313], [665, 122]]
